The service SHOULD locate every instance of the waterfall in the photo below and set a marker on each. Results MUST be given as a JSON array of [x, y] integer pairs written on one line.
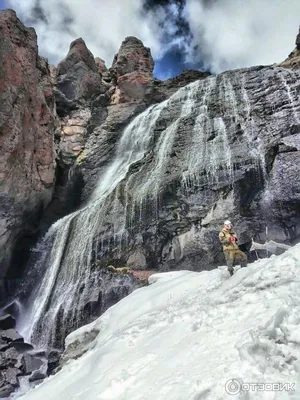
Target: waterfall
[[70, 247], [293, 99], [67, 249], [202, 136]]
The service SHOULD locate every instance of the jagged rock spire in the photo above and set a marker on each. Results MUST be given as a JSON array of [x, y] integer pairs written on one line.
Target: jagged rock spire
[[133, 56], [298, 40], [78, 77], [293, 60]]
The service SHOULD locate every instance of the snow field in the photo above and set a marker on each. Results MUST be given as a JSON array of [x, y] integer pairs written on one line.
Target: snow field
[[188, 333]]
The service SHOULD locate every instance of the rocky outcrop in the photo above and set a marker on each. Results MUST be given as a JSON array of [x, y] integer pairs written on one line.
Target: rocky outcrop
[[102, 69], [27, 128], [162, 90], [73, 134], [17, 359], [78, 79], [298, 40], [293, 60], [133, 57], [133, 71]]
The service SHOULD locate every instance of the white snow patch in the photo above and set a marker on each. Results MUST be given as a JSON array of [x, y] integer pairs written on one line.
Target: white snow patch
[[184, 336]]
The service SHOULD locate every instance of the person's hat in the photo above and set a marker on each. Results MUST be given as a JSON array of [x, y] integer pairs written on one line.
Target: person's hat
[[227, 222]]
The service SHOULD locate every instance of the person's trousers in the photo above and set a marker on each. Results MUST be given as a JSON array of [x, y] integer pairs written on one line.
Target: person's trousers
[[235, 256]]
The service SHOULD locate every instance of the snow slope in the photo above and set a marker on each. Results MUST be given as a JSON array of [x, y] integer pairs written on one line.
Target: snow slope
[[184, 336]]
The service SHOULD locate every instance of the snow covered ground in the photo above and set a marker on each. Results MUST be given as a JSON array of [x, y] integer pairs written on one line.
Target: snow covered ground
[[187, 334]]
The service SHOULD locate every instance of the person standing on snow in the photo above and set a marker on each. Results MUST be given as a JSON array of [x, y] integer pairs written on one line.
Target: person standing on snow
[[231, 250]]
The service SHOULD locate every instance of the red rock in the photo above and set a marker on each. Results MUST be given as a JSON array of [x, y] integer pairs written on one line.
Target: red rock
[[142, 275], [133, 56], [132, 87], [27, 124], [133, 69], [100, 65]]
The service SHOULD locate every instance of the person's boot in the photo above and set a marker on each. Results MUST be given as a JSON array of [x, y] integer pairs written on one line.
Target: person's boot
[[230, 270]]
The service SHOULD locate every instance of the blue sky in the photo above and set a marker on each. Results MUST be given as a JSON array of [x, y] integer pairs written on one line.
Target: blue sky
[[2, 5], [172, 64]]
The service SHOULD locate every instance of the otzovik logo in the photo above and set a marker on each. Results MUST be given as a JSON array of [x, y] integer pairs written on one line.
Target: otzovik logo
[[235, 386]]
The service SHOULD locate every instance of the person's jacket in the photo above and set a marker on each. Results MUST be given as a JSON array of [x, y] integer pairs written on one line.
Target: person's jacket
[[225, 237]]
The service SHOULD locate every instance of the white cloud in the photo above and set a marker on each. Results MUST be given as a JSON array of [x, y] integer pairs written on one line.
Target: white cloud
[[235, 33], [227, 33], [102, 24]]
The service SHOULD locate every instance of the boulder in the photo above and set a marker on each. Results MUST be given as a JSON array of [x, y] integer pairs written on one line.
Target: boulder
[[15, 362], [3, 345], [37, 376], [8, 381], [5, 390], [137, 260], [12, 358], [53, 360], [21, 347], [11, 375], [7, 322], [11, 335], [31, 363]]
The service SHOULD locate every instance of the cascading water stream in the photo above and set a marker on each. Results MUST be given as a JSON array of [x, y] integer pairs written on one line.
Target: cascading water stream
[[69, 247], [69, 242], [221, 112]]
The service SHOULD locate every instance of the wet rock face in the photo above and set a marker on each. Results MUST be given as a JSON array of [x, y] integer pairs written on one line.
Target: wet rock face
[[27, 126], [224, 147], [217, 149], [90, 127]]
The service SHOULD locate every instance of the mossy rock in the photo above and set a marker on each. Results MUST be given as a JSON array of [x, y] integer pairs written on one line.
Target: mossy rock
[[122, 270], [82, 157], [111, 268], [176, 214]]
